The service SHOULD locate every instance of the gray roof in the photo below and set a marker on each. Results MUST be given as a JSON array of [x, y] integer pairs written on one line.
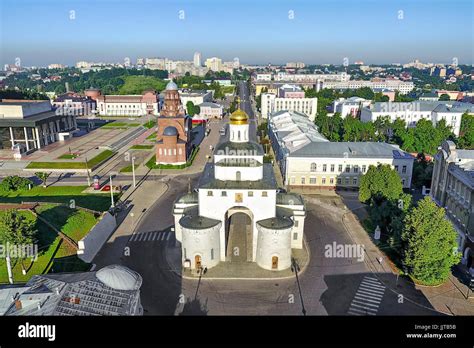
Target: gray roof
[[192, 220], [170, 131], [211, 105], [208, 181], [115, 293], [30, 121], [351, 150]]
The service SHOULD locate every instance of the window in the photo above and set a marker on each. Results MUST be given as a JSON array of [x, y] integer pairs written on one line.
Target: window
[[160, 151], [348, 168], [354, 181], [303, 180], [296, 223], [313, 167], [331, 180], [339, 181], [403, 182], [396, 168], [404, 169], [364, 168], [224, 193], [209, 193], [347, 181], [356, 169], [250, 194], [325, 167], [264, 194], [332, 167], [312, 181], [212, 254], [185, 253], [295, 236], [339, 169], [323, 181]]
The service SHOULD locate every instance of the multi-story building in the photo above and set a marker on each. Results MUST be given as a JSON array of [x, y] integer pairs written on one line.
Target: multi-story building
[[210, 110], [452, 187], [74, 104], [56, 66], [295, 65], [313, 78], [264, 77], [349, 107], [309, 161], [195, 96], [29, 125], [214, 64], [412, 112], [288, 98], [197, 59], [403, 87], [128, 105]]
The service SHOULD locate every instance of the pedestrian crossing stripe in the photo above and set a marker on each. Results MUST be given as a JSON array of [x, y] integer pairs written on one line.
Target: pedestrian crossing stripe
[[150, 236], [367, 298]]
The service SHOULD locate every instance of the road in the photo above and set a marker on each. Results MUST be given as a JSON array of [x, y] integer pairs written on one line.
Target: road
[[329, 285]]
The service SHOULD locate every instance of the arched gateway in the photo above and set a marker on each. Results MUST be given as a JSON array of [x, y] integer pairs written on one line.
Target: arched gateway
[[236, 213]]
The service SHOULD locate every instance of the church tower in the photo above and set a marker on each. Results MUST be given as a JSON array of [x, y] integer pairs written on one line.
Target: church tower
[[239, 126]]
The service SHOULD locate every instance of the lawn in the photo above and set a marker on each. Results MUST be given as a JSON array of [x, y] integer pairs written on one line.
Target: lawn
[[68, 156], [152, 165], [101, 157], [60, 194], [142, 147], [54, 256], [152, 136], [120, 125], [149, 124], [128, 169]]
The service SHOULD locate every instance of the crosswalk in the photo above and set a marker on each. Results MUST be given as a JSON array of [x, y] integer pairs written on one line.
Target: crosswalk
[[152, 236], [368, 297]]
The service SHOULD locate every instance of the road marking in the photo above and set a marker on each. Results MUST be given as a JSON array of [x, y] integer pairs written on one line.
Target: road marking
[[163, 236], [150, 235], [140, 237], [154, 235], [367, 298], [133, 237], [168, 237]]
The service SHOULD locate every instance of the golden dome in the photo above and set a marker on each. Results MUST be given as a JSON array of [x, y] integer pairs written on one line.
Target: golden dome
[[239, 117]]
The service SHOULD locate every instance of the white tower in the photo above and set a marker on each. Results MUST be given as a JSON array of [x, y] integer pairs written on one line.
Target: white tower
[[197, 59], [239, 127]]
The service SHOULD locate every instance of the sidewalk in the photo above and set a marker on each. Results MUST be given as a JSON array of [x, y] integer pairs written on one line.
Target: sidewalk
[[136, 201], [448, 298]]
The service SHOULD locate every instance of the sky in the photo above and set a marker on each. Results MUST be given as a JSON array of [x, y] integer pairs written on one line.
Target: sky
[[41, 32]]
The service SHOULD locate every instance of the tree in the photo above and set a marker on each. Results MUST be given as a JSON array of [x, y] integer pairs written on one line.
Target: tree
[[430, 244], [15, 183], [444, 97], [192, 109], [466, 132], [381, 182], [43, 176], [16, 229]]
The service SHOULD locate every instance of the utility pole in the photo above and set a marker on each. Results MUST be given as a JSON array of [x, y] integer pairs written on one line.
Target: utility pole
[[9, 268], [111, 192], [88, 174], [133, 172], [201, 272]]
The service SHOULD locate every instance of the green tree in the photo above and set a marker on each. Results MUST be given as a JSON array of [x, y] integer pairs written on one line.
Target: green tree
[[43, 176], [15, 183], [466, 132], [430, 244], [444, 97], [16, 229], [380, 182], [192, 109]]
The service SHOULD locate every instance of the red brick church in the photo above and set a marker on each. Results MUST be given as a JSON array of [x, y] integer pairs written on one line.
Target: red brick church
[[174, 129]]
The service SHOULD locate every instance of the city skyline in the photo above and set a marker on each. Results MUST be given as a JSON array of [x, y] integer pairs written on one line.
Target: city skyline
[[380, 33]]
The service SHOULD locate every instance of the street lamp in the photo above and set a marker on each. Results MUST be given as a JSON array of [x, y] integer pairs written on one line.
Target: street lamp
[[296, 268], [88, 174], [201, 272], [133, 171], [111, 174]]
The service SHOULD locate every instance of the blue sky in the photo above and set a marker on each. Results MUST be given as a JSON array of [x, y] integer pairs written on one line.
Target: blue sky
[[256, 31]]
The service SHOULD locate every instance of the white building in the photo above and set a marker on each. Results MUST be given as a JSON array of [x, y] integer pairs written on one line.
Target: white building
[[402, 86], [288, 98], [197, 97], [349, 107], [128, 105], [210, 110], [307, 160], [264, 77], [452, 188], [311, 78], [236, 215], [412, 112], [214, 64], [197, 59]]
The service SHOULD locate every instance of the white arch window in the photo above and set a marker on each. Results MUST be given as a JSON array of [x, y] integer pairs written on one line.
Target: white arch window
[[160, 151], [313, 167], [238, 135]]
